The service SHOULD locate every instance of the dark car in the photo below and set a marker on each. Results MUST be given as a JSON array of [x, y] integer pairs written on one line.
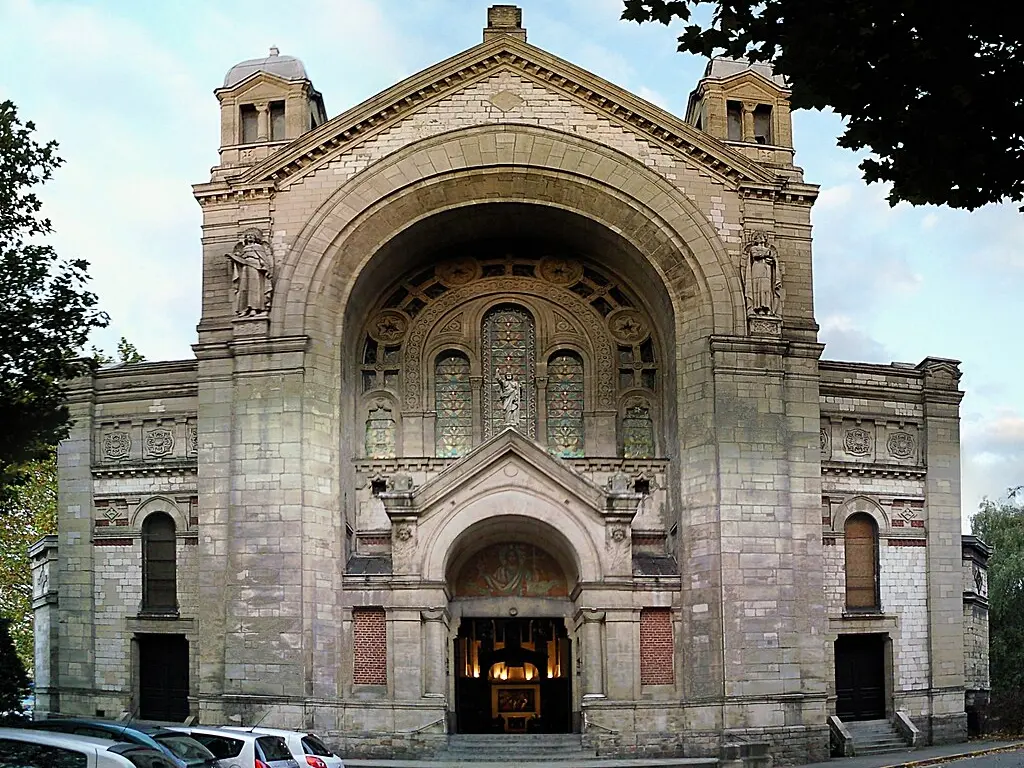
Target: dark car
[[182, 749]]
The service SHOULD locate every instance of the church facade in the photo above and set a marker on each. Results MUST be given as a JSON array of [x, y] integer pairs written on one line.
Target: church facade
[[507, 415]]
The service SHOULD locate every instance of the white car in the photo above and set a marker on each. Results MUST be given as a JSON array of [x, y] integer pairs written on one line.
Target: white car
[[236, 748], [39, 749], [307, 748]]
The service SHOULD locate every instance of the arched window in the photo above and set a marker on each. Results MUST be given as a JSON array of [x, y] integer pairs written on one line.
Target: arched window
[[861, 563], [637, 432], [380, 434], [453, 402], [565, 405], [159, 564], [509, 354]]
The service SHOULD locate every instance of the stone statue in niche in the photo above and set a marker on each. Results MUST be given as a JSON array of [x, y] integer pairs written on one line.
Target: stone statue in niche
[[762, 282], [510, 394], [251, 274]]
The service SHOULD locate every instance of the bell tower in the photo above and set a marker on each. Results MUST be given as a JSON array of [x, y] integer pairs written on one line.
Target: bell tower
[[747, 106], [264, 104]]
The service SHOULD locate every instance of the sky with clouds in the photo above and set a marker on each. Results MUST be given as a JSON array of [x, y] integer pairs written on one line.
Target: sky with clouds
[[126, 89]]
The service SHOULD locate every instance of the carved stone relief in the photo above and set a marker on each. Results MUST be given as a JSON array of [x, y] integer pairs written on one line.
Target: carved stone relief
[[389, 327], [559, 271], [901, 445], [762, 284], [252, 274], [159, 443], [857, 442], [116, 445], [628, 326], [191, 440], [826, 443]]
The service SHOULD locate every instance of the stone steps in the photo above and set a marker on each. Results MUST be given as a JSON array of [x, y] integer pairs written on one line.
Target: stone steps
[[526, 747], [875, 737]]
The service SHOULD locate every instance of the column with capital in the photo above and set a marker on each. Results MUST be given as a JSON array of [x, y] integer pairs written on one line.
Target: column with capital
[[590, 626]]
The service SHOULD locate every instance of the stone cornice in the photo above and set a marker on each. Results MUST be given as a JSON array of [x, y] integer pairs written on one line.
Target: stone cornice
[[137, 469], [851, 469], [435, 83]]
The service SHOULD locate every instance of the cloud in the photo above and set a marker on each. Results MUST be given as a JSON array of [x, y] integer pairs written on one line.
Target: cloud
[[845, 340]]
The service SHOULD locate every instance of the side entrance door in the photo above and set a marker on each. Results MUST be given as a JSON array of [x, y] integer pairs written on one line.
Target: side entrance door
[[860, 677], [163, 677]]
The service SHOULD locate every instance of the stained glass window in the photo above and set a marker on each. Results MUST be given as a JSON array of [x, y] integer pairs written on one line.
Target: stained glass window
[[380, 434], [565, 406], [509, 359], [637, 433], [453, 401]]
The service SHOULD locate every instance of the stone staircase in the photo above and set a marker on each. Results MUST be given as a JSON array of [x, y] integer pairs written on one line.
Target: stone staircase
[[875, 737], [516, 748]]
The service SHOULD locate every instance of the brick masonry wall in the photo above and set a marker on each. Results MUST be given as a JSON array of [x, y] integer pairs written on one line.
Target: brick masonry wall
[[657, 654], [369, 647]]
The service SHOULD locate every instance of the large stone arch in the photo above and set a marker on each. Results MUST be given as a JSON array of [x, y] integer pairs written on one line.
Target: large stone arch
[[505, 163], [559, 531]]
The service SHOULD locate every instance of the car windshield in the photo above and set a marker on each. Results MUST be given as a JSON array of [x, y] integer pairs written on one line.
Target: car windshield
[[185, 747], [221, 746], [311, 745], [274, 748]]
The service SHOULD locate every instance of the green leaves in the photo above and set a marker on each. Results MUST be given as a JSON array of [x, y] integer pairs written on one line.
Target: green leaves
[[935, 102], [46, 311]]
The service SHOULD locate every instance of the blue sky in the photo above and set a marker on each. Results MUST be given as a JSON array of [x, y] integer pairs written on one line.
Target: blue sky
[[126, 88]]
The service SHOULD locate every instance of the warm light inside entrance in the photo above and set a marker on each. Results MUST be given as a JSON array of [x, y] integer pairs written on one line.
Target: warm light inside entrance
[[518, 674]]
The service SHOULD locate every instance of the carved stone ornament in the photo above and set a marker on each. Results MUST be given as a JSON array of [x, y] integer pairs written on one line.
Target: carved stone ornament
[[560, 271], [764, 326], [762, 276], [901, 445], [506, 101], [979, 581], [252, 274], [116, 445], [191, 439], [628, 326], [454, 325], [159, 442], [826, 443], [620, 483], [401, 483], [458, 271], [617, 533], [404, 532], [389, 327], [857, 442]]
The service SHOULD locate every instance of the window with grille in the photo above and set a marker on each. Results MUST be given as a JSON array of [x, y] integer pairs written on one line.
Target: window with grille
[[861, 563], [159, 564]]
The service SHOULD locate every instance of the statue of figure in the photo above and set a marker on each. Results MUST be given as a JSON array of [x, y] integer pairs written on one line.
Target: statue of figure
[[762, 283], [251, 274], [511, 393]]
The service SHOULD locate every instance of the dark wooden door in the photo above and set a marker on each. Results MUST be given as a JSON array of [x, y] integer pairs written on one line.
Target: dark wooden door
[[163, 677], [860, 677]]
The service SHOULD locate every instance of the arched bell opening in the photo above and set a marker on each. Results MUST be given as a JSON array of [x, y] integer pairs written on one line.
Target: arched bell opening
[[510, 579]]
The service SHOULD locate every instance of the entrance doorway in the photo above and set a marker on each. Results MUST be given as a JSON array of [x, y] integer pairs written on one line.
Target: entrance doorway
[[513, 676], [860, 677], [163, 677]]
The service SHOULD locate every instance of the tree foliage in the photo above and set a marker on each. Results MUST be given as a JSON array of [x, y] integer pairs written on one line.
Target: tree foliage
[[936, 100], [46, 312], [1001, 524], [27, 513], [13, 679]]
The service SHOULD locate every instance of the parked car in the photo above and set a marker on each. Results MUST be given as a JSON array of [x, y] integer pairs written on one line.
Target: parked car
[[242, 749], [31, 748], [307, 748], [184, 751]]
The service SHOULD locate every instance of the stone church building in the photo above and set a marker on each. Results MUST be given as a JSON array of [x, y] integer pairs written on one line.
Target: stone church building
[[507, 415]]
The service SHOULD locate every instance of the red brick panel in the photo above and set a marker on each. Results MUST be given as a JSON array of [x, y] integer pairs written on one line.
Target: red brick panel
[[370, 646], [657, 649]]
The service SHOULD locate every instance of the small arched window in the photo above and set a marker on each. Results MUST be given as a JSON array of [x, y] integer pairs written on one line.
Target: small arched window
[[380, 438], [637, 432], [861, 534], [159, 564]]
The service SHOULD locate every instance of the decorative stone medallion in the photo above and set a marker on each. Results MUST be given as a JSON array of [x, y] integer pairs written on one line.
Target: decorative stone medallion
[[506, 101], [560, 271], [857, 442], [116, 445], [901, 445], [389, 327], [458, 271], [159, 442], [628, 326]]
